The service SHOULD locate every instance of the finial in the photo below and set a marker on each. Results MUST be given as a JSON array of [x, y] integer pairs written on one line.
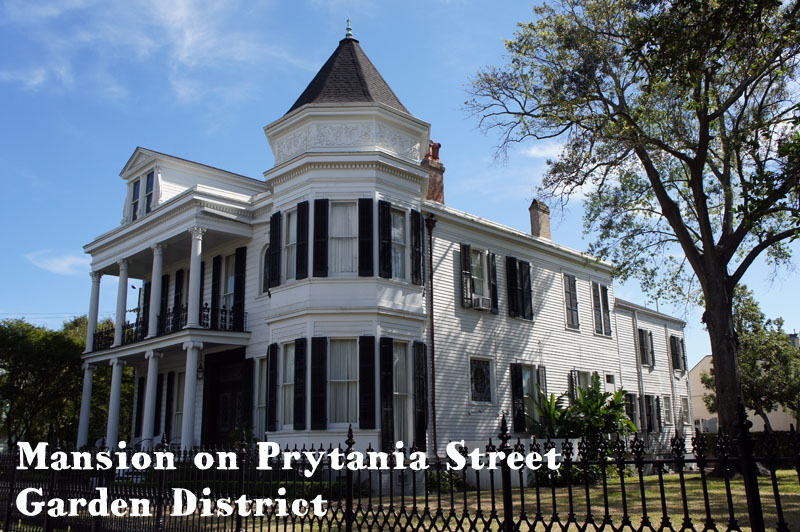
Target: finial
[[349, 29]]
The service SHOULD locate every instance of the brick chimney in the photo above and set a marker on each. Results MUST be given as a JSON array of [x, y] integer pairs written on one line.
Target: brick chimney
[[436, 171], [540, 219]]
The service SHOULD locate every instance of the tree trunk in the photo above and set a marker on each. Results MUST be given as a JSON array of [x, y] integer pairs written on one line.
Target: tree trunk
[[718, 318], [767, 424]]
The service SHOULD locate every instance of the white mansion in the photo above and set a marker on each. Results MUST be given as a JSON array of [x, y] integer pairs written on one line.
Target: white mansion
[[340, 290]]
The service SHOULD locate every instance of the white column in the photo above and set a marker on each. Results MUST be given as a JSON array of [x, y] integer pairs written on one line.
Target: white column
[[189, 392], [150, 398], [193, 319], [86, 405], [112, 429], [155, 290], [94, 303], [122, 301]]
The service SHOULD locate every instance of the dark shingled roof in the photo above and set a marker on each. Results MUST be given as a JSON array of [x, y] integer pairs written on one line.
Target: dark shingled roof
[[348, 76]]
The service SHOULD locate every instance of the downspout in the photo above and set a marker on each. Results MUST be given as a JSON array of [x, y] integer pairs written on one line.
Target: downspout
[[430, 223]]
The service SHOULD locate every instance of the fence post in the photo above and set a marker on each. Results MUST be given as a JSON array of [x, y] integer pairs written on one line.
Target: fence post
[[745, 446], [160, 495], [505, 475], [243, 447], [48, 521], [11, 486], [348, 508]]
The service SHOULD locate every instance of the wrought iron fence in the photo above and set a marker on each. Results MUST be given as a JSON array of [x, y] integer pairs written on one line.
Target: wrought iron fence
[[613, 485]]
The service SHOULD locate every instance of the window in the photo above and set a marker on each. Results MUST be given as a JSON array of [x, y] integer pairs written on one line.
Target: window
[[402, 393], [178, 423], [265, 271], [287, 386], [228, 281], [684, 416], [630, 408], [261, 418], [571, 301], [343, 382], [584, 380], [667, 402], [610, 382], [530, 390], [344, 238], [676, 351], [602, 313], [646, 352], [291, 245], [652, 412], [148, 192], [398, 244], [518, 277], [478, 272], [480, 380], [135, 201]]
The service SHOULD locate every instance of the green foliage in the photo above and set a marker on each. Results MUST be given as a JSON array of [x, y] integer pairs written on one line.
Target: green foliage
[[579, 475], [552, 418], [443, 481]]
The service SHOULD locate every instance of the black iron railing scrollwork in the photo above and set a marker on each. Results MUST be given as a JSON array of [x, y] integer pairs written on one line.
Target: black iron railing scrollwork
[[222, 319]]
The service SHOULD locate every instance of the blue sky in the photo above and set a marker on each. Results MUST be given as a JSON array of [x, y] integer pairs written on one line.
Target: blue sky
[[83, 82]]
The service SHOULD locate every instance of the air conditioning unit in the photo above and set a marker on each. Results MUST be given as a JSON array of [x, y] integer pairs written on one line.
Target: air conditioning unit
[[481, 303]]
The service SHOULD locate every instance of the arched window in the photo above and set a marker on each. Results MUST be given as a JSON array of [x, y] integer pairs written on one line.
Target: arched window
[[265, 270]]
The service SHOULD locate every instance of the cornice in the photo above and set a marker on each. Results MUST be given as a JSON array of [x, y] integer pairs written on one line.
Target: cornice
[[309, 166]]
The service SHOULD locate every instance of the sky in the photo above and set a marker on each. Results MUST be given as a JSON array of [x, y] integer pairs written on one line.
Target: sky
[[84, 82]]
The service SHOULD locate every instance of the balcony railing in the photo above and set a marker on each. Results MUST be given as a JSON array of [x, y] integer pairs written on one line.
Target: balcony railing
[[104, 337], [222, 319], [134, 331], [174, 320]]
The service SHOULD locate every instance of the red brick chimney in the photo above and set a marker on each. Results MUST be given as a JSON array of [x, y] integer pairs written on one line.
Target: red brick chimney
[[436, 172]]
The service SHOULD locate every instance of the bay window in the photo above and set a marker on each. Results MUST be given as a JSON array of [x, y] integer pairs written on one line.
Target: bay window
[[398, 244], [291, 245], [287, 386], [343, 382], [402, 393], [343, 238]]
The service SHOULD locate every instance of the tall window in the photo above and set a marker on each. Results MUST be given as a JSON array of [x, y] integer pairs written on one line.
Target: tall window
[[478, 272], [228, 281], [265, 271], [667, 402], [480, 380], [287, 386], [343, 237], [291, 245], [343, 382], [178, 423], [684, 417], [398, 244], [135, 200], [148, 192], [261, 426], [646, 353], [676, 351], [402, 393], [530, 390], [630, 408], [571, 300], [602, 312]]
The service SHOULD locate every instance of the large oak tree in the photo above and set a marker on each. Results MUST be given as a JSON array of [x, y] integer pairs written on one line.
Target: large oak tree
[[680, 125]]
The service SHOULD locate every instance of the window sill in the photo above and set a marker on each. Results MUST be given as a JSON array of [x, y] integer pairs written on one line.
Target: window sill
[[573, 329], [609, 336]]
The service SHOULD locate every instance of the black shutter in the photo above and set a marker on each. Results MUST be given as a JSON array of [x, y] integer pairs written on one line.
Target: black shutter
[[420, 395], [573, 385], [385, 239], [145, 318], [319, 383], [366, 382], [606, 311], [643, 358], [658, 413], [159, 404], [511, 279], [387, 393], [216, 274], [673, 351], [365, 265], [275, 249], [542, 379], [265, 277], [321, 238], [492, 260], [517, 399], [416, 247], [137, 426], [170, 406], [300, 383], [525, 290], [164, 303], [202, 289], [598, 313], [683, 355], [301, 247], [239, 275], [466, 276], [651, 348], [177, 299], [246, 382], [272, 388]]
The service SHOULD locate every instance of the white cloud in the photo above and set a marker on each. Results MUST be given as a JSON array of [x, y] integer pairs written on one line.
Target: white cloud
[[543, 150], [60, 263]]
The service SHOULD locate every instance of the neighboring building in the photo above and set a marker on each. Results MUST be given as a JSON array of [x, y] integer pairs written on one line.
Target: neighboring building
[[707, 422], [303, 303]]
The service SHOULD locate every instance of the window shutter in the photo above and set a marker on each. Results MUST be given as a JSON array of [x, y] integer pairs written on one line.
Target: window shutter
[[387, 393], [177, 299], [644, 415], [683, 355], [658, 413], [275, 249], [159, 404], [492, 261], [300, 384], [239, 274], [265, 276], [511, 280], [366, 382], [416, 247], [365, 265], [651, 348], [170, 412], [162, 311], [145, 318], [319, 383], [246, 383], [525, 290], [673, 351], [466, 276], [542, 379], [301, 264], [216, 274], [321, 238], [606, 311], [420, 395], [571, 301], [137, 427], [517, 399], [272, 388], [642, 345], [573, 385], [385, 239], [598, 313]]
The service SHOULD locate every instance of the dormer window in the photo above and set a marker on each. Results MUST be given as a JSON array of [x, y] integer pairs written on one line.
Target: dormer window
[[135, 201], [148, 192]]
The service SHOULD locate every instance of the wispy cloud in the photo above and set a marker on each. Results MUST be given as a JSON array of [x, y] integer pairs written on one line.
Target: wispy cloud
[[542, 150], [60, 263]]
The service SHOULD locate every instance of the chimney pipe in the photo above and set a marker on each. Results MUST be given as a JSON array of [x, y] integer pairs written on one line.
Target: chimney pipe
[[436, 172], [540, 219]]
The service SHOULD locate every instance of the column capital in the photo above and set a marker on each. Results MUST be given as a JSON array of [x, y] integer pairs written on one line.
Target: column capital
[[88, 367], [192, 344], [123, 264], [197, 232], [114, 361], [95, 276], [158, 248], [153, 354]]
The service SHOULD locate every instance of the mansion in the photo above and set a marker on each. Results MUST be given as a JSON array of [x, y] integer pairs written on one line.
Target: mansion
[[340, 290]]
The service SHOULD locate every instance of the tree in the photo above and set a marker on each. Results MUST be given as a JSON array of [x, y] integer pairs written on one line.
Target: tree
[[680, 124], [768, 362]]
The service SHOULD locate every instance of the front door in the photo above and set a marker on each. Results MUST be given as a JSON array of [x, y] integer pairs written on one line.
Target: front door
[[227, 398]]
